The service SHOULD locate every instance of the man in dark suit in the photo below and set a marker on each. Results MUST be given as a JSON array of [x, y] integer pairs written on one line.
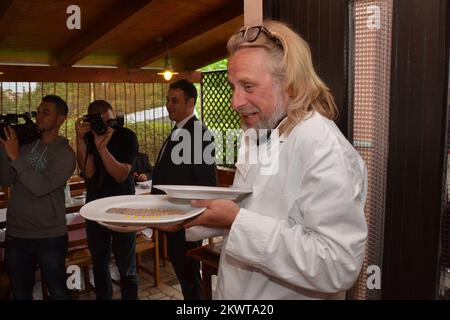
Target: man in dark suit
[[184, 166], [142, 168]]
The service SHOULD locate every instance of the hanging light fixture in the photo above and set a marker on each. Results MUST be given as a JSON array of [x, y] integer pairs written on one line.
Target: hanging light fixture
[[168, 70]]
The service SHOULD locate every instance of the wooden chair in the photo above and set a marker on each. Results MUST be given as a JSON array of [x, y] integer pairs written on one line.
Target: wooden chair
[[77, 188], [143, 244], [5, 290], [209, 256], [225, 176], [4, 196], [163, 248], [78, 254]]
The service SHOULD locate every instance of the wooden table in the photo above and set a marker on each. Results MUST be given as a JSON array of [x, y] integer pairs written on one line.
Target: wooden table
[[209, 256]]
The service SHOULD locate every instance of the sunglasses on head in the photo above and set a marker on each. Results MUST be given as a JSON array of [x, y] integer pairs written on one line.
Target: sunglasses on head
[[250, 34]]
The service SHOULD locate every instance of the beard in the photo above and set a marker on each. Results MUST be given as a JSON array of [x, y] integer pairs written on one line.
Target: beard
[[272, 120], [268, 121]]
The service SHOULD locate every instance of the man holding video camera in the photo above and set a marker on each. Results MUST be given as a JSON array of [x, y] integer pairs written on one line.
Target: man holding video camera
[[36, 232], [105, 154]]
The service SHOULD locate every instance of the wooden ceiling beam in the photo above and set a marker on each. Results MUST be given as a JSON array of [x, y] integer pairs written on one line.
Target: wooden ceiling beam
[[74, 51], [209, 56], [4, 7], [11, 13], [72, 74], [153, 50]]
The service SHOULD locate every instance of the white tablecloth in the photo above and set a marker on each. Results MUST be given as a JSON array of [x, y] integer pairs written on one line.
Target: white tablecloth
[[2, 214], [143, 187]]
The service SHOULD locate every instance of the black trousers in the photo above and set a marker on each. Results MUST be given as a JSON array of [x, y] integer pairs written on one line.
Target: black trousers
[[101, 242], [186, 269]]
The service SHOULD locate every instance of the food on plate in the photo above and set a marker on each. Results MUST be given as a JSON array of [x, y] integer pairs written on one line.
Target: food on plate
[[145, 213]]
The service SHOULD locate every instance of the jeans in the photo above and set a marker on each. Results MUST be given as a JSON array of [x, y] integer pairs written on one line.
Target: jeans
[[101, 241], [22, 257]]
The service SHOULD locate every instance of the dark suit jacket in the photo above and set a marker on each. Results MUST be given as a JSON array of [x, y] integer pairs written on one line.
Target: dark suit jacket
[[167, 172], [142, 165]]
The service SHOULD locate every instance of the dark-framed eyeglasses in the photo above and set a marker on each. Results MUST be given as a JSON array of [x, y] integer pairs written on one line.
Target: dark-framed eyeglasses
[[250, 34]]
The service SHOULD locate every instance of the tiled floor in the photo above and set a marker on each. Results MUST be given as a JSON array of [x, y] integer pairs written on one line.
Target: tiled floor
[[168, 289]]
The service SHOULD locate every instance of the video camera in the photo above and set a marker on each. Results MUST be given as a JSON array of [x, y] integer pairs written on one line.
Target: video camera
[[99, 126], [26, 132]]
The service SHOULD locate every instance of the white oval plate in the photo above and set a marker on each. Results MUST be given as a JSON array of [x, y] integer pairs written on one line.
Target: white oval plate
[[203, 193], [122, 228], [96, 210]]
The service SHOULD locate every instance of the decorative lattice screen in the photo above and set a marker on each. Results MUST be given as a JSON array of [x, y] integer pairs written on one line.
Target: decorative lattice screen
[[218, 116], [444, 260], [371, 53]]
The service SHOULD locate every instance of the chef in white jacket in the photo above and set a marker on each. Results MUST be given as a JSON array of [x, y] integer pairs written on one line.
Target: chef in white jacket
[[301, 234]]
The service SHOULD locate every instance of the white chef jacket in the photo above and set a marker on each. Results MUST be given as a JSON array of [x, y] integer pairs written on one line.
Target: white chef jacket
[[301, 234]]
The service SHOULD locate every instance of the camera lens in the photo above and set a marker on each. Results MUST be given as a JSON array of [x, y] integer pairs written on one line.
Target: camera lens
[[99, 127]]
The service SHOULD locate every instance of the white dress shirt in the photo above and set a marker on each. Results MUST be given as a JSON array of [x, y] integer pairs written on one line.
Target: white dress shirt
[[184, 121]]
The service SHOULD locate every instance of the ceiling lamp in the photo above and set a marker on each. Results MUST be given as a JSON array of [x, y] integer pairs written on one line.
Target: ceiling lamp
[[168, 70]]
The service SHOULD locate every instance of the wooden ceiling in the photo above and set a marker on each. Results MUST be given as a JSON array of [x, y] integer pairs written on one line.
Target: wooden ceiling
[[129, 34]]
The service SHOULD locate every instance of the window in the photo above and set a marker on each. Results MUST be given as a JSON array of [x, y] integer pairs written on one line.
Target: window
[[142, 104]]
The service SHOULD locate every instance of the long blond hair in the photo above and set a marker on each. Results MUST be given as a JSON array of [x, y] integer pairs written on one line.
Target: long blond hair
[[292, 66]]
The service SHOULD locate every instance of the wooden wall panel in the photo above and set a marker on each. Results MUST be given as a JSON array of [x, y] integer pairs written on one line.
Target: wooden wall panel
[[418, 120], [324, 25]]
